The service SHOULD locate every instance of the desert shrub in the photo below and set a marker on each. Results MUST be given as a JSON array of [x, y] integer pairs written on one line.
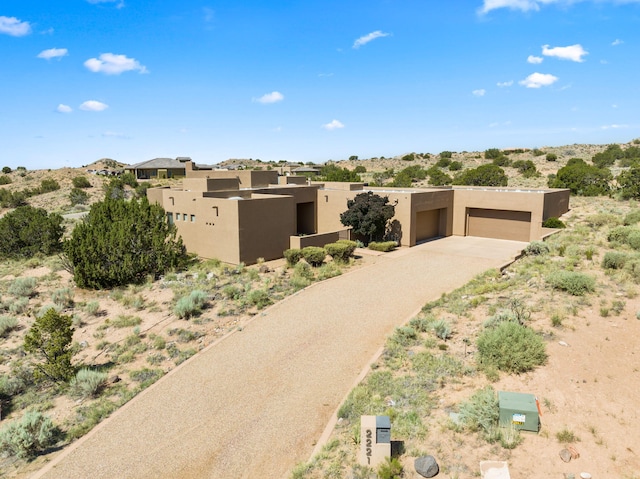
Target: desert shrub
[[259, 298], [573, 282], [6, 170], [437, 177], [7, 324], [553, 222], [500, 317], [27, 437], [191, 305], [47, 185], [146, 377], [443, 162], [46, 307], [551, 157], [537, 248], [483, 175], [632, 218], [292, 256], [629, 183], [602, 219], [391, 468], [481, 412], [634, 239], [78, 197], [442, 329], [63, 297], [5, 180], [582, 179], [620, 234], [455, 166], [384, 246], [26, 231], [314, 255], [231, 292], [303, 270], [632, 267], [125, 321], [19, 306], [92, 308], [23, 287], [445, 154], [511, 348], [614, 260], [405, 336], [81, 182], [87, 383], [328, 270], [341, 251]]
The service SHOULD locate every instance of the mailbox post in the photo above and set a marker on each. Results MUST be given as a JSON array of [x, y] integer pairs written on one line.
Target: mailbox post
[[375, 440]]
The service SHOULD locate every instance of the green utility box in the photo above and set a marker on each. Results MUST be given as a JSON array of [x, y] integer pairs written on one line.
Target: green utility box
[[519, 410]]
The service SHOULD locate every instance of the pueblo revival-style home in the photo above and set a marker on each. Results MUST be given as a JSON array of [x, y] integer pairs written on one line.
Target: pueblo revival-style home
[[240, 216]]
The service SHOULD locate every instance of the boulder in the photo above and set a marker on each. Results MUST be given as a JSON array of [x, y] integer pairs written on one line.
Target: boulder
[[426, 466]]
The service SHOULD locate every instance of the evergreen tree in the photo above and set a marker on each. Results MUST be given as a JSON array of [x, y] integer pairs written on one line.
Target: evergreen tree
[[50, 338], [26, 231], [368, 214], [122, 242]]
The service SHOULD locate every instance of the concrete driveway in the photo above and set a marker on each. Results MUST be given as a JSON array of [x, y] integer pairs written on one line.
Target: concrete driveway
[[254, 403]]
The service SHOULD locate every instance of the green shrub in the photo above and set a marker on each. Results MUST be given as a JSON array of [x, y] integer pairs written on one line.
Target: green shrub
[[125, 321], [481, 412], [6, 170], [231, 292], [23, 287], [391, 468], [81, 182], [633, 239], [314, 255], [619, 234], [455, 166], [537, 248], [553, 222], [87, 383], [92, 308], [405, 336], [614, 260], [259, 298], [27, 437], [341, 251], [632, 218], [575, 283], [19, 306], [50, 339], [329, 270], [551, 157], [292, 256], [483, 175], [511, 348], [7, 324], [384, 246], [26, 231], [4, 180], [191, 305], [146, 377]]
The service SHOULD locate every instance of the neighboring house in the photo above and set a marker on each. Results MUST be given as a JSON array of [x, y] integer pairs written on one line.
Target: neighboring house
[[159, 168], [241, 216]]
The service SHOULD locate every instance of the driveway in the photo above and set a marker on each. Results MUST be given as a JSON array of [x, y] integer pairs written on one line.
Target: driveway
[[254, 403]]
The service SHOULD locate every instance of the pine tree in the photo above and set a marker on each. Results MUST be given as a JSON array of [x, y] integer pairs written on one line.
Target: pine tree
[[50, 339]]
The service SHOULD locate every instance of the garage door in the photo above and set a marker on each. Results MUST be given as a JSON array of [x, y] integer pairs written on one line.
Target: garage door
[[501, 224], [427, 225]]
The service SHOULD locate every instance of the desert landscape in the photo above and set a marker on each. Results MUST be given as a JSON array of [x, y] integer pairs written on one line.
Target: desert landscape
[[134, 335]]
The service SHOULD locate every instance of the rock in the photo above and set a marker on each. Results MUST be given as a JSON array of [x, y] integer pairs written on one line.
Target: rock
[[562, 343], [565, 455], [426, 466], [264, 269], [114, 379], [585, 475]]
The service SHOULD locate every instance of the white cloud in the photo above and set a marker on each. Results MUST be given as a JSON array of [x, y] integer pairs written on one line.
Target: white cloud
[[14, 27], [273, 97], [534, 5], [334, 125], [120, 3], [93, 105], [613, 127], [480, 92], [53, 53], [504, 84], [111, 64], [572, 52], [62, 108], [537, 80], [369, 37], [617, 42], [534, 59]]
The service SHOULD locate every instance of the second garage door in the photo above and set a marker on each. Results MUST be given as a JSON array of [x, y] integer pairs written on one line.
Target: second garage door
[[427, 225], [501, 224]]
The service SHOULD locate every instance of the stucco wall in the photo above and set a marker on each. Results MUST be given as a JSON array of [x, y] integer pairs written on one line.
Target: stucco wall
[[556, 203]]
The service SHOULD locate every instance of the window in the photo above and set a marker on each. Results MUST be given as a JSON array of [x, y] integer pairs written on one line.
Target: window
[[177, 216], [184, 217], [170, 218], [193, 218]]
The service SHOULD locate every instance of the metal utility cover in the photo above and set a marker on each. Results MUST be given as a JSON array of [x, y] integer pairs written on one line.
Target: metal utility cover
[[519, 410]]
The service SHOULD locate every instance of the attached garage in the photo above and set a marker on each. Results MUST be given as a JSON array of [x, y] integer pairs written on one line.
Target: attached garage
[[428, 225], [500, 224]]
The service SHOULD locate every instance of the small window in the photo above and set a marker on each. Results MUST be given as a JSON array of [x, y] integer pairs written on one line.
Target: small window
[[193, 218], [184, 217], [170, 218], [177, 216]]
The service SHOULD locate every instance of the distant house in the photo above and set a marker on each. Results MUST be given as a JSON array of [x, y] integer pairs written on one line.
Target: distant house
[[159, 168]]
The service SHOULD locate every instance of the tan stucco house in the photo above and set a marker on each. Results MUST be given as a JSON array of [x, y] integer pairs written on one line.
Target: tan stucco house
[[240, 216]]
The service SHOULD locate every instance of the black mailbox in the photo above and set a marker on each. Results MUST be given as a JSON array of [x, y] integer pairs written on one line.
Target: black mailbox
[[383, 430]]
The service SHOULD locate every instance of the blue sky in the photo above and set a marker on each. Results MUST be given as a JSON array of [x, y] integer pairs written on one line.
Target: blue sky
[[306, 80]]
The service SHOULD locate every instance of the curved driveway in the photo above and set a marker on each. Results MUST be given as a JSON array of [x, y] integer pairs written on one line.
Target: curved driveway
[[254, 403]]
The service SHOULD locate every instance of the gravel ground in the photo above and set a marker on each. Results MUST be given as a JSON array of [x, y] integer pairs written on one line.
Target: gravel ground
[[254, 403]]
